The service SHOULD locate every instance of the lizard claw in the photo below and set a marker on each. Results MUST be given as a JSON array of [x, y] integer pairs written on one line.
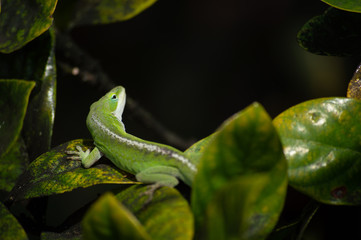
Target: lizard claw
[[78, 155], [150, 192]]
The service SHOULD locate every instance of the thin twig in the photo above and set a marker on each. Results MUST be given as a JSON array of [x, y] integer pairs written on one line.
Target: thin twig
[[76, 61]]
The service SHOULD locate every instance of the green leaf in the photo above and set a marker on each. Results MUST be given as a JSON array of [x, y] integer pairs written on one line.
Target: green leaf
[[87, 12], [231, 212], [246, 145], [9, 227], [348, 5], [35, 62], [109, 219], [167, 216], [335, 33], [13, 103], [354, 86], [54, 173], [195, 152], [22, 21], [12, 165], [321, 140]]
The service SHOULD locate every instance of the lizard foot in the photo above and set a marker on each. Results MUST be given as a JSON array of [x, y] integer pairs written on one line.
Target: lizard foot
[[150, 192], [78, 155]]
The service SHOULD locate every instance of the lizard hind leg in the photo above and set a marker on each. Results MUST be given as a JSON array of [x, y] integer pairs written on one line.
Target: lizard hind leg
[[158, 176]]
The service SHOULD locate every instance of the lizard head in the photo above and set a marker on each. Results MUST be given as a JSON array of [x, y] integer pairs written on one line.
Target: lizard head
[[113, 102]]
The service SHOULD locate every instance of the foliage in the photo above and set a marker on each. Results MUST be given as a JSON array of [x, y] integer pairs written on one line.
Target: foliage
[[244, 167]]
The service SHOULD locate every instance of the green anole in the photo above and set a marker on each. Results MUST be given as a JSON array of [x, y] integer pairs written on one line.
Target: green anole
[[150, 162]]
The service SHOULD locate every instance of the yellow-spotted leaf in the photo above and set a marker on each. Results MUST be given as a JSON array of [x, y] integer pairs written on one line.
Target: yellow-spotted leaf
[[53, 173], [87, 12], [14, 97], [107, 219], [166, 217], [354, 86], [12, 165], [246, 145], [22, 21], [9, 227], [322, 143]]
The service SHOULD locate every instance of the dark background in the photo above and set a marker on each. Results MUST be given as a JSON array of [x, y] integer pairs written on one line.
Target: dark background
[[194, 63]]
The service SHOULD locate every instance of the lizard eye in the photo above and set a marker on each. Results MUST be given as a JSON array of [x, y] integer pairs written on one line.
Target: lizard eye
[[114, 97]]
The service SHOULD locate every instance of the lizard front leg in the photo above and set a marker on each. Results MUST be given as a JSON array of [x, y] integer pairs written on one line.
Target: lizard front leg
[[87, 158]]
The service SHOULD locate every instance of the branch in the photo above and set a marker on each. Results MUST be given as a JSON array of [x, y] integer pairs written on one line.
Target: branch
[[75, 61]]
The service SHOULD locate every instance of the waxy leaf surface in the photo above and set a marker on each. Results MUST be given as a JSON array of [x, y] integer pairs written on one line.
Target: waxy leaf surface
[[14, 97], [9, 227], [246, 145], [167, 216], [35, 62], [54, 173], [335, 33], [22, 21], [348, 5], [322, 143], [87, 12], [107, 218]]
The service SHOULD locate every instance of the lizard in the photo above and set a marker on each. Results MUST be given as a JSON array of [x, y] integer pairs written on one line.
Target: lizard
[[151, 163]]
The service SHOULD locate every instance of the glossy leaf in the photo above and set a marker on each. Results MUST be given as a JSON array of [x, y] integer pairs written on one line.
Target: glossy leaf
[[167, 216], [348, 5], [246, 145], [335, 33], [35, 62], [22, 21], [9, 227], [14, 96], [39, 120], [54, 173], [354, 86], [109, 219], [321, 140], [87, 12], [12, 165]]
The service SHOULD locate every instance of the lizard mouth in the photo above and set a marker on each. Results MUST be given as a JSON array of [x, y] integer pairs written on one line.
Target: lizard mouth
[[121, 104]]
